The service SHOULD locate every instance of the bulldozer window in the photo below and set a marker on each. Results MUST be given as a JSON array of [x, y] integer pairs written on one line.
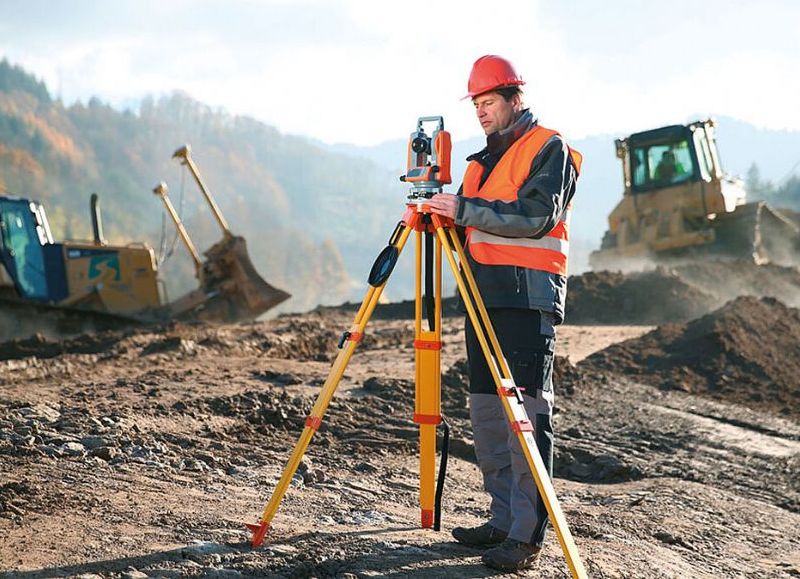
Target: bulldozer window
[[21, 244], [661, 165], [639, 162], [703, 155]]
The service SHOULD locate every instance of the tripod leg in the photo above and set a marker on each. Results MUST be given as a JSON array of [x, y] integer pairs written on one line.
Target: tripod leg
[[510, 395], [347, 345], [427, 345]]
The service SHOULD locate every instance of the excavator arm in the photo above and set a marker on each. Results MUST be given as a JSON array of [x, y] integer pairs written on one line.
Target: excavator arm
[[231, 289]]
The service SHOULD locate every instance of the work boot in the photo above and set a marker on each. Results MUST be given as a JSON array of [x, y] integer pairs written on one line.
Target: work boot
[[484, 535], [512, 555]]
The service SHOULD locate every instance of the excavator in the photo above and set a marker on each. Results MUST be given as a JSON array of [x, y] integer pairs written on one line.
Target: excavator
[[678, 204], [63, 288]]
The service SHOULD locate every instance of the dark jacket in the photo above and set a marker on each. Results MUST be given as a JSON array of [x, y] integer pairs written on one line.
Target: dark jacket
[[542, 199]]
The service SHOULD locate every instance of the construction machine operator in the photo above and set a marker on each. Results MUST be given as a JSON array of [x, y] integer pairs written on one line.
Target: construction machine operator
[[514, 205], [668, 168]]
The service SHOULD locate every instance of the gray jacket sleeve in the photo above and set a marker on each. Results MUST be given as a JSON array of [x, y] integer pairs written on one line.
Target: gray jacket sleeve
[[541, 200]]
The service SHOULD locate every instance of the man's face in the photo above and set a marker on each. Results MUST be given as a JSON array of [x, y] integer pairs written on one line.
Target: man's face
[[494, 112]]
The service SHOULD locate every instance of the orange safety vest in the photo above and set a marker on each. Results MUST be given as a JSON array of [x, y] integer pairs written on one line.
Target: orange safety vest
[[546, 254]]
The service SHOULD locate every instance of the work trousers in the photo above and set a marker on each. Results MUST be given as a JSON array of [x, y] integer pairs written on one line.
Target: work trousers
[[527, 340]]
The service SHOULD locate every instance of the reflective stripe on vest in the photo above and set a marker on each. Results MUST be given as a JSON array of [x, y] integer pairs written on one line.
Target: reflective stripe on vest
[[546, 254]]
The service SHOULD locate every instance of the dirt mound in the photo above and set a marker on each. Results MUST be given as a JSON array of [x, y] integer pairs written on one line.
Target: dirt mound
[[650, 297], [747, 352], [730, 279], [676, 294], [663, 295]]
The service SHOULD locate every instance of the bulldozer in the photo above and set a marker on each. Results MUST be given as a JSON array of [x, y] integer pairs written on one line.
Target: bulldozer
[[69, 287], [678, 204]]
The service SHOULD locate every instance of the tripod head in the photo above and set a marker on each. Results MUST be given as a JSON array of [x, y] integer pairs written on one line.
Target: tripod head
[[428, 160]]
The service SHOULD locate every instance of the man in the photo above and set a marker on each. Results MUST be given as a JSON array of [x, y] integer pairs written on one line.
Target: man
[[514, 205], [668, 168]]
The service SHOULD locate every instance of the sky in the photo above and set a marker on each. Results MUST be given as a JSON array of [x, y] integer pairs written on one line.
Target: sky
[[362, 71]]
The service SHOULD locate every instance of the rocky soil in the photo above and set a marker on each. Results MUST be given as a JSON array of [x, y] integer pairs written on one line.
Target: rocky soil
[[142, 453]]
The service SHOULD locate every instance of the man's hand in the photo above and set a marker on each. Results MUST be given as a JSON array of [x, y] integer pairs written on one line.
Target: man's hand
[[445, 204]]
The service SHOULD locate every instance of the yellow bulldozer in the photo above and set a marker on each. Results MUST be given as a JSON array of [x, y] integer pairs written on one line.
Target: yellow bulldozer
[[70, 287], [678, 204]]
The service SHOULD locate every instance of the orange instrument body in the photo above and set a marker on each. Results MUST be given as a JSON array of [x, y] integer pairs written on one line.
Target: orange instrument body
[[428, 167]]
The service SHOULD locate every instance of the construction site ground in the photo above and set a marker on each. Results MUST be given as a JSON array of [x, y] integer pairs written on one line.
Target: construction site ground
[[152, 457], [143, 453]]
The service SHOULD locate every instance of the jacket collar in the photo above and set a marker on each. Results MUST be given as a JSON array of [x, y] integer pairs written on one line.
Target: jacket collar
[[499, 142]]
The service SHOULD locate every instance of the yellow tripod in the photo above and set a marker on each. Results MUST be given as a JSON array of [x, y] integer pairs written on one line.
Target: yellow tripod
[[428, 373]]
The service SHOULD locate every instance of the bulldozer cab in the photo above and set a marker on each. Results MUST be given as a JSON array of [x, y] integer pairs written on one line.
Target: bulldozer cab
[[24, 235], [669, 157]]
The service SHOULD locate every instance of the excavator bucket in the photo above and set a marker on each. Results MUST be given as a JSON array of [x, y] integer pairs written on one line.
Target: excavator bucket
[[232, 290], [248, 293]]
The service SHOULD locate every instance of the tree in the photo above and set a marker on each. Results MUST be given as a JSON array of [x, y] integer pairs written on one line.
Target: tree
[[756, 187], [788, 194], [14, 77]]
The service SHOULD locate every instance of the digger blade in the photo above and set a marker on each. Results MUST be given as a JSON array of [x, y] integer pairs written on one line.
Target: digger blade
[[758, 232], [231, 290], [255, 295]]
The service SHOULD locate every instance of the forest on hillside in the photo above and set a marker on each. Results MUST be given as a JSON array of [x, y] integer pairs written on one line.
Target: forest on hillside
[[302, 209], [784, 193]]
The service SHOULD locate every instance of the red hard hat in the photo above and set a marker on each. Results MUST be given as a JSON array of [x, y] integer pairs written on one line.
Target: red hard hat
[[490, 72]]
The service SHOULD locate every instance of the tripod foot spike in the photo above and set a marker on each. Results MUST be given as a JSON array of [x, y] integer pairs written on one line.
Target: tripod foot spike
[[259, 531], [427, 518]]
